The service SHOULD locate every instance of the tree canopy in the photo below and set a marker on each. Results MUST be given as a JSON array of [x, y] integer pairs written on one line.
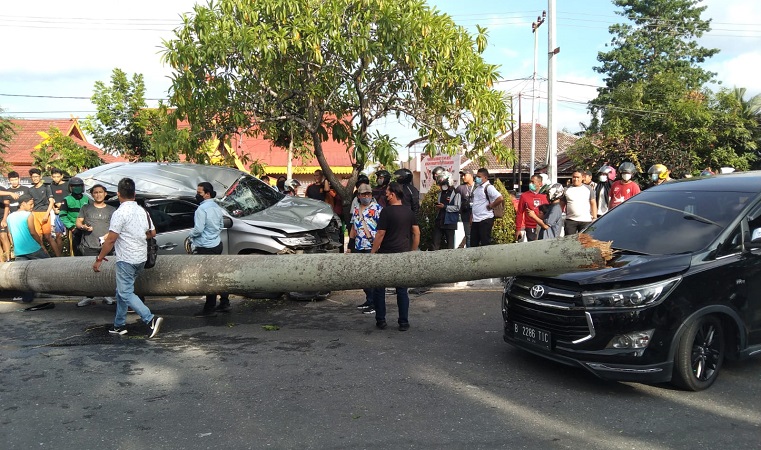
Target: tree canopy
[[313, 70], [60, 151], [6, 135]]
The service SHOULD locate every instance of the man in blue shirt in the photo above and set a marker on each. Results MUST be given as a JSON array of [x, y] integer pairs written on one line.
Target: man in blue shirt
[[205, 238], [27, 243]]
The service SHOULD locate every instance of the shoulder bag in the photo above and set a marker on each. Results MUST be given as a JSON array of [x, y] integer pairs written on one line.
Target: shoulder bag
[[153, 246]]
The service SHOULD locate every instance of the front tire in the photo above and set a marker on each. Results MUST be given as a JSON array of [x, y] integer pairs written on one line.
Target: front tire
[[700, 354]]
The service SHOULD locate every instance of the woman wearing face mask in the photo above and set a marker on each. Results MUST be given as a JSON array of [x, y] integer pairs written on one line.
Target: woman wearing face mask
[[364, 226], [605, 177], [447, 212], [625, 188], [205, 239]]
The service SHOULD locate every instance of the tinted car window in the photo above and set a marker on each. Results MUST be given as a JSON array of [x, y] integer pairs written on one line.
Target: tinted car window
[[669, 222], [248, 196], [171, 215]]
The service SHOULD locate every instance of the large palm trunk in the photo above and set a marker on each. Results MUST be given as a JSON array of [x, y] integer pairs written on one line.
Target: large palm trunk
[[242, 274]]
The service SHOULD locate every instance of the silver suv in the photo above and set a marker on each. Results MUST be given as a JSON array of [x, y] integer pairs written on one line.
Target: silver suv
[[264, 221]]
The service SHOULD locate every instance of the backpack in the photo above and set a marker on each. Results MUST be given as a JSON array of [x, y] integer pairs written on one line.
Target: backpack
[[499, 210]]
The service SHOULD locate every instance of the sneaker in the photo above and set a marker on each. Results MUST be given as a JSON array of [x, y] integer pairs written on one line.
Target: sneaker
[[17, 299], [224, 307], [368, 310], [390, 291], [404, 326], [381, 324], [155, 325], [419, 290], [205, 313], [365, 305], [86, 301], [109, 300], [121, 331]]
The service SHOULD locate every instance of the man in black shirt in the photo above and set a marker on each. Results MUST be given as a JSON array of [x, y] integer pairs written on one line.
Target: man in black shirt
[[398, 232], [319, 188], [43, 205], [10, 204]]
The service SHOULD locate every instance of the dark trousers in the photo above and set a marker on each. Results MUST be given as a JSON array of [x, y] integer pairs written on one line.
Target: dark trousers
[[466, 228], [28, 296], [480, 233], [531, 234], [372, 295], [211, 299], [573, 226], [402, 302], [438, 234]]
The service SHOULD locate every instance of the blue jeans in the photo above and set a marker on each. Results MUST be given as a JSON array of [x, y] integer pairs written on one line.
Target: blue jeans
[[126, 274], [402, 301], [28, 296]]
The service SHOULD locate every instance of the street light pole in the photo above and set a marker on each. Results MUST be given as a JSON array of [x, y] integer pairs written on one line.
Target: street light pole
[[552, 136], [534, 26]]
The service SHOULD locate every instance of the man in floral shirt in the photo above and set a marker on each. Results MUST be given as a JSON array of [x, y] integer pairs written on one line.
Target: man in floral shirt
[[364, 225]]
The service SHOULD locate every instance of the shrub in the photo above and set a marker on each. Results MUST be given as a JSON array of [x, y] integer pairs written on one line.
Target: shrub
[[504, 228], [428, 217]]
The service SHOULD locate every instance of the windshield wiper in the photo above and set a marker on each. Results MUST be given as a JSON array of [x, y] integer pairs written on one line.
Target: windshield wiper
[[687, 215], [628, 251]]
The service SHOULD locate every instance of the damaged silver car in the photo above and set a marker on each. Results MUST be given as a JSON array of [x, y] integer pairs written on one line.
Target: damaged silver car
[[261, 220]]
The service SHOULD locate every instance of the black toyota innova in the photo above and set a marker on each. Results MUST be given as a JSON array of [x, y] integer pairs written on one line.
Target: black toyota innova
[[682, 293]]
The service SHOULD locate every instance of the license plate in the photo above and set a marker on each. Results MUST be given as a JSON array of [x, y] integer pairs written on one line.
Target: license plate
[[532, 335]]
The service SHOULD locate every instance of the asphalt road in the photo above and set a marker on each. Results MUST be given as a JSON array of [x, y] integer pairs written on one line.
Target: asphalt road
[[285, 374]]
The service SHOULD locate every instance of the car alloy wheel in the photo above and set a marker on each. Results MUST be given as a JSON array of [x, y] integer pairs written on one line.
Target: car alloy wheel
[[700, 354]]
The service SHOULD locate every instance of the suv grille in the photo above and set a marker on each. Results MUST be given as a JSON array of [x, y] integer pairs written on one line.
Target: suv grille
[[557, 311]]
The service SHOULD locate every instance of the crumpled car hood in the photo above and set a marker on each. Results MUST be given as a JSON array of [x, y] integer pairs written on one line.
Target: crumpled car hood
[[293, 215]]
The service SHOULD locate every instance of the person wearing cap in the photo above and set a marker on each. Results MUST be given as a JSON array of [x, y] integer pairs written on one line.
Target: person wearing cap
[[70, 208], [92, 225], [27, 241], [465, 189], [364, 227], [206, 240]]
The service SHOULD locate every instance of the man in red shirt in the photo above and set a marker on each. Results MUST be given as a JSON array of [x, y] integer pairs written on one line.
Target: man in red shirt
[[625, 188], [526, 218]]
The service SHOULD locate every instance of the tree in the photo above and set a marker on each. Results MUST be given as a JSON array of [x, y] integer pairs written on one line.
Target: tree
[[316, 70], [7, 132], [60, 151], [661, 38], [121, 125]]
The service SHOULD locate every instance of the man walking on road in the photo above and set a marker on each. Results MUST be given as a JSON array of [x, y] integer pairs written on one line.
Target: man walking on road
[[127, 233], [398, 232], [206, 240]]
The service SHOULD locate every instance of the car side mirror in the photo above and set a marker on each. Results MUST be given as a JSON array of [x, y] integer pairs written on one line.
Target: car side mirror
[[227, 221], [755, 239]]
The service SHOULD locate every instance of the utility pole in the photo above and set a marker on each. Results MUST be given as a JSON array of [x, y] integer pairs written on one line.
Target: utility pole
[[520, 146], [552, 135], [534, 27]]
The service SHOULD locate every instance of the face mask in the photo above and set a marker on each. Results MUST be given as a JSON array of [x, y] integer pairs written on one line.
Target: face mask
[[365, 200], [626, 176], [444, 187], [532, 187], [654, 177], [479, 181], [603, 178], [199, 198], [76, 190]]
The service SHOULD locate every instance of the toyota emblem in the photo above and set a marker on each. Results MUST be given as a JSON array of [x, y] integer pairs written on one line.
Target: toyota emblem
[[537, 291]]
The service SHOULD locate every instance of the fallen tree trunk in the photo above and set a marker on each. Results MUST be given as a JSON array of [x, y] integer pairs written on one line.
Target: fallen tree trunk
[[242, 274]]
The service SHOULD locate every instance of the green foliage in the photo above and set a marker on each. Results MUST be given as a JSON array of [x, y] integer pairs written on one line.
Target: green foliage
[[304, 71], [6, 136], [60, 151], [427, 217], [504, 228], [660, 36]]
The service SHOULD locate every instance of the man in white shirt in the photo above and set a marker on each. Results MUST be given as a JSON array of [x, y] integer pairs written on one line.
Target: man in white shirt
[[485, 198], [128, 232], [581, 206]]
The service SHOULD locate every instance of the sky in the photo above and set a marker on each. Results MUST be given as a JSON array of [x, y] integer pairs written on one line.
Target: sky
[[54, 49]]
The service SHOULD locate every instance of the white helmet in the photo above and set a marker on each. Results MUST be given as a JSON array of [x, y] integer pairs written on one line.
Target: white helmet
[[555, 192], [292, 185]]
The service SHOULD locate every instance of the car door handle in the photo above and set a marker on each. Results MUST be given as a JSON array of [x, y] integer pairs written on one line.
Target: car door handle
[[169, 246]]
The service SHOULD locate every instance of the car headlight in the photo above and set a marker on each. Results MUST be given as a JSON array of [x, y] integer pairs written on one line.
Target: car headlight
[[636, 297], [298, 241]]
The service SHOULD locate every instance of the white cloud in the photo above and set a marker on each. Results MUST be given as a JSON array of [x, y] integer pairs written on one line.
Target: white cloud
[[739, 71]]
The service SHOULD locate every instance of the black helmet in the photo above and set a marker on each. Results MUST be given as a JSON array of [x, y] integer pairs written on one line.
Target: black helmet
[[403, 176], [362, 179], [627, 167], [75, 181], [382, 177]]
